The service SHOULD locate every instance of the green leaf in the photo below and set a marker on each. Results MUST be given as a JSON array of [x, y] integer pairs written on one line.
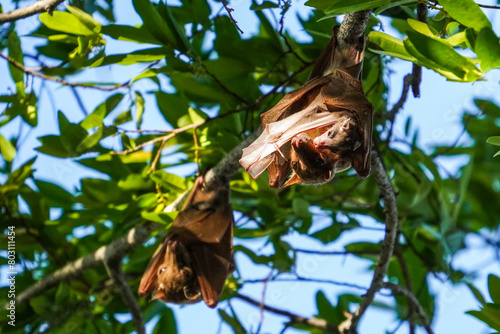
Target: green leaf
[[7, 149], [391, 46], [422, 28], [233, 322], [57, 196], [18, 176], [71, 134], [52, 145], [101, 111], [141, 56], [441, 57], [15, 52], [201, 90], [394, 4], [154, 22], [85, 18], [466, 12], [264, 5], [167, 323], [128, 33], [489, 314], [172, 107], [90, 141], [65, 22], [494, 288], [196, 115], [339, 7], [495, 140], [159, 217], [477, 294], [488, 49], [139, 109], [170, 180]]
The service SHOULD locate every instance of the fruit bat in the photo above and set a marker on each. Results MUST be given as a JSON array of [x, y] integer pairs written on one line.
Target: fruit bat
[[332, 90], [196, 256], [342, 136]]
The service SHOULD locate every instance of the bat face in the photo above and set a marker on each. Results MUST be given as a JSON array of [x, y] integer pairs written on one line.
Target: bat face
[[176, 281], [341, 136], [196, 256], [310, 165]]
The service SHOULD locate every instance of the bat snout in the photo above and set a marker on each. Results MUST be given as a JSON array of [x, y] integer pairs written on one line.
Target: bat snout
[[318, 142]]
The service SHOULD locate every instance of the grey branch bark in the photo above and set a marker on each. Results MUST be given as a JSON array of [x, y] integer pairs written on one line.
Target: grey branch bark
[[401, 290], [391, 228], [39, 6], [352, 28], [118, 248], [294, 318], [114, 269]]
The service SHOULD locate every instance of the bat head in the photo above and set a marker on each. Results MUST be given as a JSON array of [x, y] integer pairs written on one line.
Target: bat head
[[341, 136], [310, 165], [170, 276]]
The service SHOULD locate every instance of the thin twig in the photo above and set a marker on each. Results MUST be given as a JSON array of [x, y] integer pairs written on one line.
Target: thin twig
[[401, 290], [309, 251], [114, 269], [416, 74], [229, 10], [489, 6], [294, 318], [59, 80], [39, 6]]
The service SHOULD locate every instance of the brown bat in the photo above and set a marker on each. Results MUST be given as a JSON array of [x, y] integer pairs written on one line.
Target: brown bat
[[341, 136], [196, 256], [331, 91]]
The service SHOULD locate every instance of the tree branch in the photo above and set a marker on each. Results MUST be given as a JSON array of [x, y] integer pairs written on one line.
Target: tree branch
[[314, 322], [39, 6], [391, 220], [59, 80], [114, 269], [401, 290], [118, 248], [352, 29]]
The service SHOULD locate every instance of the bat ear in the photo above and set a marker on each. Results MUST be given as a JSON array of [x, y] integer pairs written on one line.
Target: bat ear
[[329, 175], [292, 180], [160, 294], [150, 276]]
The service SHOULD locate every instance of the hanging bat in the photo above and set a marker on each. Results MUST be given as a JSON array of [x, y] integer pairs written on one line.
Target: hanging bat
[[196, 256], [332, 90], [342, 136]]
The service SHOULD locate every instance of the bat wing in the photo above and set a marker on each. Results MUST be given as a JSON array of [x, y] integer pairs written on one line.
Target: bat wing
[[259, 155], [150, 277], [213, 263], [209, 225], [331, 58], [294, 102]]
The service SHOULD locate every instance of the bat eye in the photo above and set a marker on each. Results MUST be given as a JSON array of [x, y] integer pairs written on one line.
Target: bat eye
[[162, 269], [331, 134]]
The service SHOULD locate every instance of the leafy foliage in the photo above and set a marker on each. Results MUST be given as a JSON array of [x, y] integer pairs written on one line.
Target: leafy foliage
[[203, 79]]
